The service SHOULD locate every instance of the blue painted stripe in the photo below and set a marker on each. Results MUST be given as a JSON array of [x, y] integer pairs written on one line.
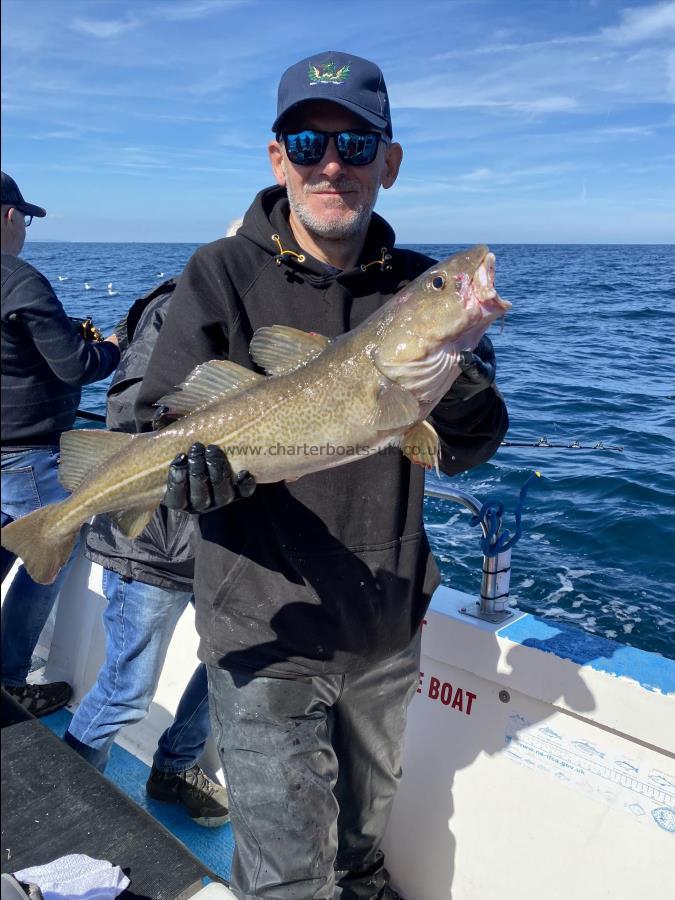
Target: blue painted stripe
[[651, 670], [214, 846]]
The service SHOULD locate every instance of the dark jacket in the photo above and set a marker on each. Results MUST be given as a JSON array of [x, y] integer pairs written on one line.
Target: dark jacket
[[45, 362], [327, 573], [163, 554]]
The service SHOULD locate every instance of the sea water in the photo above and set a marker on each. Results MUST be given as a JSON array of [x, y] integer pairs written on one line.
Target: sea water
[[587, 354]]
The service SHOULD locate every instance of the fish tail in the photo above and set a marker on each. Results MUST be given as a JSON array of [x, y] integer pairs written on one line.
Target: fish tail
[[38, 542]]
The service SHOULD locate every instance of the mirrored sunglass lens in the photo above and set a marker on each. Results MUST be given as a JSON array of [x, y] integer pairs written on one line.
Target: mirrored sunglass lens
[[357, 149], [27, 220], [305, 147]]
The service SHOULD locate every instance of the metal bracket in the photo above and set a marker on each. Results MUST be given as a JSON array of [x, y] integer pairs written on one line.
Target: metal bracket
[[495, 618]]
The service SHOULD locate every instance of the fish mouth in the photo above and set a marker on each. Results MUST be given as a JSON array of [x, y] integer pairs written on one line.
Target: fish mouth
[[483, 289]]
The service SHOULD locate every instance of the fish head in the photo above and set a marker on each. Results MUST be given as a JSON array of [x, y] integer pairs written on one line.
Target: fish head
[[444, 311], [453, 302]]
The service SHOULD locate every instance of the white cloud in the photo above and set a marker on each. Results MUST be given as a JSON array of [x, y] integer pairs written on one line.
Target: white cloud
[[512, 47], [554, 103], [60, 135], [240, 140], [580, 73], [195, 9], [627, 130], [483, 175], [100, 28], [643, 23], [445, 93], [478, 175]]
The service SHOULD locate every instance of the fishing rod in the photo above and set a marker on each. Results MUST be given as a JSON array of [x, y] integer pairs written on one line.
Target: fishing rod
[[543, 442]]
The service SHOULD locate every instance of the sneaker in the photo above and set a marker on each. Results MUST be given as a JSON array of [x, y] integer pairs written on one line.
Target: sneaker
[[41, 699], [205, 800]]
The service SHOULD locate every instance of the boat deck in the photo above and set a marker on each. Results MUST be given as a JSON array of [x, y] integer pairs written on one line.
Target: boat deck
[[213, 846]]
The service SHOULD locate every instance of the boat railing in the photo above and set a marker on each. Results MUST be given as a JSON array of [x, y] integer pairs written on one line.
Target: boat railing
[[494, 605]]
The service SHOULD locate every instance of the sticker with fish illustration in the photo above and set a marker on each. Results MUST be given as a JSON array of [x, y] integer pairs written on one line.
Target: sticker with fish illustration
[[609, 778]]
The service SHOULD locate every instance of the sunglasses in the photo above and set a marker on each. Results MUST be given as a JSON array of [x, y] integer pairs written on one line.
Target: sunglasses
[[356, 148], [27, 218]]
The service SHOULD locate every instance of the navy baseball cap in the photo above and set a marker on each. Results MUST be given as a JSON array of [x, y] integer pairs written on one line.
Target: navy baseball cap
[[347, 80], [11, 196]]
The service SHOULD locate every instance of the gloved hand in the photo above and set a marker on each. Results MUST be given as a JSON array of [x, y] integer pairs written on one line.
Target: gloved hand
[[478, 371], [91, 333], [203, 481]]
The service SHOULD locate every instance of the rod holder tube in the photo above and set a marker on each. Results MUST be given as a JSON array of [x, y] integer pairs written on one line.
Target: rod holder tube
[[494, 588], [496, 577]]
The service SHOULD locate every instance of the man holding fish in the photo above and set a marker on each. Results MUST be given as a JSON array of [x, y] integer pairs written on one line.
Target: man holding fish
[[310, 590], [310, 593]]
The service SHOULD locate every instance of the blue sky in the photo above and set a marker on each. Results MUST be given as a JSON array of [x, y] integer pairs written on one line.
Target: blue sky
[[147, 120]]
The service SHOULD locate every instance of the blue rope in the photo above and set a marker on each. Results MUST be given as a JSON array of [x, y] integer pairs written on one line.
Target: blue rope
[[493, 542]]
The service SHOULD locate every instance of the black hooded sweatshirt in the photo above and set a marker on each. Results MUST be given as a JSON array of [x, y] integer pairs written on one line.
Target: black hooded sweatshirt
[[333, 571]]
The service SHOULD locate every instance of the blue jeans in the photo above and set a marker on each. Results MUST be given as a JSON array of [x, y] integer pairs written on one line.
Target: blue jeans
[[29, 481], [139, 621]]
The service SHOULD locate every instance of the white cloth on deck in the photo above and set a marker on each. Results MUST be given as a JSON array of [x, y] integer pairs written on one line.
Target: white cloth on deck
[[76, 875]]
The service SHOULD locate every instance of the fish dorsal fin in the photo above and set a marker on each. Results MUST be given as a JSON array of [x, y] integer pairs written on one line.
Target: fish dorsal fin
[[210, 381], [395, 408], [132, 521], [81, 450], [279, 349]]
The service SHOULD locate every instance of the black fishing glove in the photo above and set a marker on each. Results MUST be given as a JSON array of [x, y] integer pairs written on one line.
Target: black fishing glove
[[478, 371], [203, 481]]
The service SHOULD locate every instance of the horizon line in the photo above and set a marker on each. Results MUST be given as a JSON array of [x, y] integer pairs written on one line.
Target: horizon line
[[403, 244]]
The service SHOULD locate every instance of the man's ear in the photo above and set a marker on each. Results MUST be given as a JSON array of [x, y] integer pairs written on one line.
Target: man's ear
[[276, 160], [392, 163]]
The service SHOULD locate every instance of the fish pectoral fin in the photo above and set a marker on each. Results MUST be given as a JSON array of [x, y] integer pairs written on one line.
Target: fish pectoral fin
[[206, 383], [422, 446], [81, 450], [395, 408], [132, 521], [279, 349]]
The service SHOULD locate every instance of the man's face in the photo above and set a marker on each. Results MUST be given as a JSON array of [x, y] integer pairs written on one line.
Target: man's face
[[13, 230], [332, 199]]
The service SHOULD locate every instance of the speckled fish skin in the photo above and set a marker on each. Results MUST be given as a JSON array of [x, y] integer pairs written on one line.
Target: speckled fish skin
[[348, 402]]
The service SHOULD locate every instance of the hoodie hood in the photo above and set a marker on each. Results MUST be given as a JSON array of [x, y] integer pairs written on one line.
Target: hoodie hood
[[266, 225]]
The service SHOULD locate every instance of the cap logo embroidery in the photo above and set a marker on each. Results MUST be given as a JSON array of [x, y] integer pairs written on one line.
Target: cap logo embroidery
[[326, 73]]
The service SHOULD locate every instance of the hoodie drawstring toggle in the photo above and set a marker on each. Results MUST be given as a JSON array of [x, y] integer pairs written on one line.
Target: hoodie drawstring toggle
[[280, 255], [382, 262]]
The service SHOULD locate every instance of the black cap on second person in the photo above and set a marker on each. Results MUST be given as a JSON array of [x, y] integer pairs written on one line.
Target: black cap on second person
[[347, 80], [11, 196]]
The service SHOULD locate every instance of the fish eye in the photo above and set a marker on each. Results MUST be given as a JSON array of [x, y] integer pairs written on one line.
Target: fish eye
[[438, 282]]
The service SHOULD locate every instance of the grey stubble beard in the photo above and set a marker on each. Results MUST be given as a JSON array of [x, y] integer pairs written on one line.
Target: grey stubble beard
[[348, 227]]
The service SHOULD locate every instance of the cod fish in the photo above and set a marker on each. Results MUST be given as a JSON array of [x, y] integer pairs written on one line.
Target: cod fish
[[323, 403]]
